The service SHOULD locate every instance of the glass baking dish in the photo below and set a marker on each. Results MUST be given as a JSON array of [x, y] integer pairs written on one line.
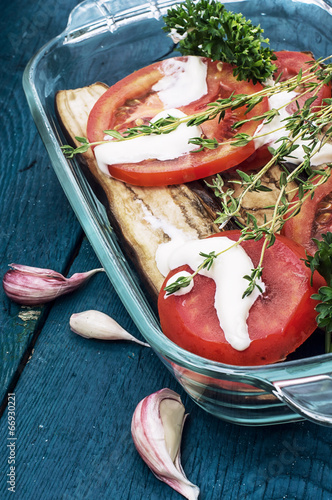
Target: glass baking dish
[[104, 42]]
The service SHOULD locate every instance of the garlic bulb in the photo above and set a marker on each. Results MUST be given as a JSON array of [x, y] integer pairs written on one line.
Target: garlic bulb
[[156, 429], [97, 325], [31, 285]]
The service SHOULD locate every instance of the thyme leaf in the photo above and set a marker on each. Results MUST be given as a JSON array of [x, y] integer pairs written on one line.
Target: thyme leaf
[[255, 275], [180, 282]]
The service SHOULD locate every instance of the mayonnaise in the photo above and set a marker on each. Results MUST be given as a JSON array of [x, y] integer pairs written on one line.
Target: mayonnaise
[[160, 147], [323, 155], [228, 271], [184, 81]]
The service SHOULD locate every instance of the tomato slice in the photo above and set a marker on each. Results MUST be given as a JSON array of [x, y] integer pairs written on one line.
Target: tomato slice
[[258, 159], [133, 99], [314, 219], [288, 63], [279, 321]]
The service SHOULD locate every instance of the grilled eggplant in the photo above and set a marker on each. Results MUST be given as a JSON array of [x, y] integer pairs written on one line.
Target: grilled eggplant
[[142, 217]]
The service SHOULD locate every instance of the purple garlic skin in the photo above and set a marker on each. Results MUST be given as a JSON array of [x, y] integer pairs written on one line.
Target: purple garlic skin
[[156, 429], [31, 286]]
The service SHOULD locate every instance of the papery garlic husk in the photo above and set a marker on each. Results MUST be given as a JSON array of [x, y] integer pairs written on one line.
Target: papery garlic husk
[[97, 325], [156, 429], [31, 286]]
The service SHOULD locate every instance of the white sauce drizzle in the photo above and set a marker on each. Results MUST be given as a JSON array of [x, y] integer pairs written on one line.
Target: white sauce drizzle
[[176, 235], [227, 271], [166, 249], [184, 81], [324, 155], [181, 291], [160, 147]]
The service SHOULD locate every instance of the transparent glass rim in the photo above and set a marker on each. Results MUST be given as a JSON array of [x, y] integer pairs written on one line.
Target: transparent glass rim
[[128, 292]]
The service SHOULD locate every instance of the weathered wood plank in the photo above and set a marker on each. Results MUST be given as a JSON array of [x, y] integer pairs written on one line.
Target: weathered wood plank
[[38, 227], [74, 403], [75, 398]]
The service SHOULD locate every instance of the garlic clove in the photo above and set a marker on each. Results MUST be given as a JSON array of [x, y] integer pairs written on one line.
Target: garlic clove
[[156, 429], [97, 325], [30, 286]]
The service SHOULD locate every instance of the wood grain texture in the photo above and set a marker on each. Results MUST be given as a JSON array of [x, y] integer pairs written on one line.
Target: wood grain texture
[[38, 227], [75, 400], [75, 397]]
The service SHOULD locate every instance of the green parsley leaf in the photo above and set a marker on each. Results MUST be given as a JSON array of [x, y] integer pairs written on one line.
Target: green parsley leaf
[[209, 30]]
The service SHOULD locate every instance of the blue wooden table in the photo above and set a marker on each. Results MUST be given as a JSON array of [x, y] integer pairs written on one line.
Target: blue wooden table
[[74, 398]]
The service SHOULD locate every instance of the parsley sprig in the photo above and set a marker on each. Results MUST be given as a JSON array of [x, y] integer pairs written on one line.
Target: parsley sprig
[[321, 262], [205, 28]]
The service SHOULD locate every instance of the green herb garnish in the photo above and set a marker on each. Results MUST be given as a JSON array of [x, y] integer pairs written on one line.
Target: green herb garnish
[[306, 123], [207, 29], [184, 281], [322, 263]]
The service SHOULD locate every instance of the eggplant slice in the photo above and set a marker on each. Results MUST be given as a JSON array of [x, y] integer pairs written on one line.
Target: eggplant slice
[[143, 217]]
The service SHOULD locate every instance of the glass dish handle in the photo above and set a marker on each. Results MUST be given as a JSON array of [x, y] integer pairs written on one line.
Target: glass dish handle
[[90, 16], [311, 397]]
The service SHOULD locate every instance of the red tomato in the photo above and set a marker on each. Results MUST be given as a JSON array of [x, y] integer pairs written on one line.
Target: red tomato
[[279, 321], [314, 218], [257, 160], [132, 99], [289, 64]]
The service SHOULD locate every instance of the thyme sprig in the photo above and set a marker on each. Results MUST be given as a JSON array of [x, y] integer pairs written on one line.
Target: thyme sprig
[[207, 262], [283, 209], [218, 110], [307, 124]]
